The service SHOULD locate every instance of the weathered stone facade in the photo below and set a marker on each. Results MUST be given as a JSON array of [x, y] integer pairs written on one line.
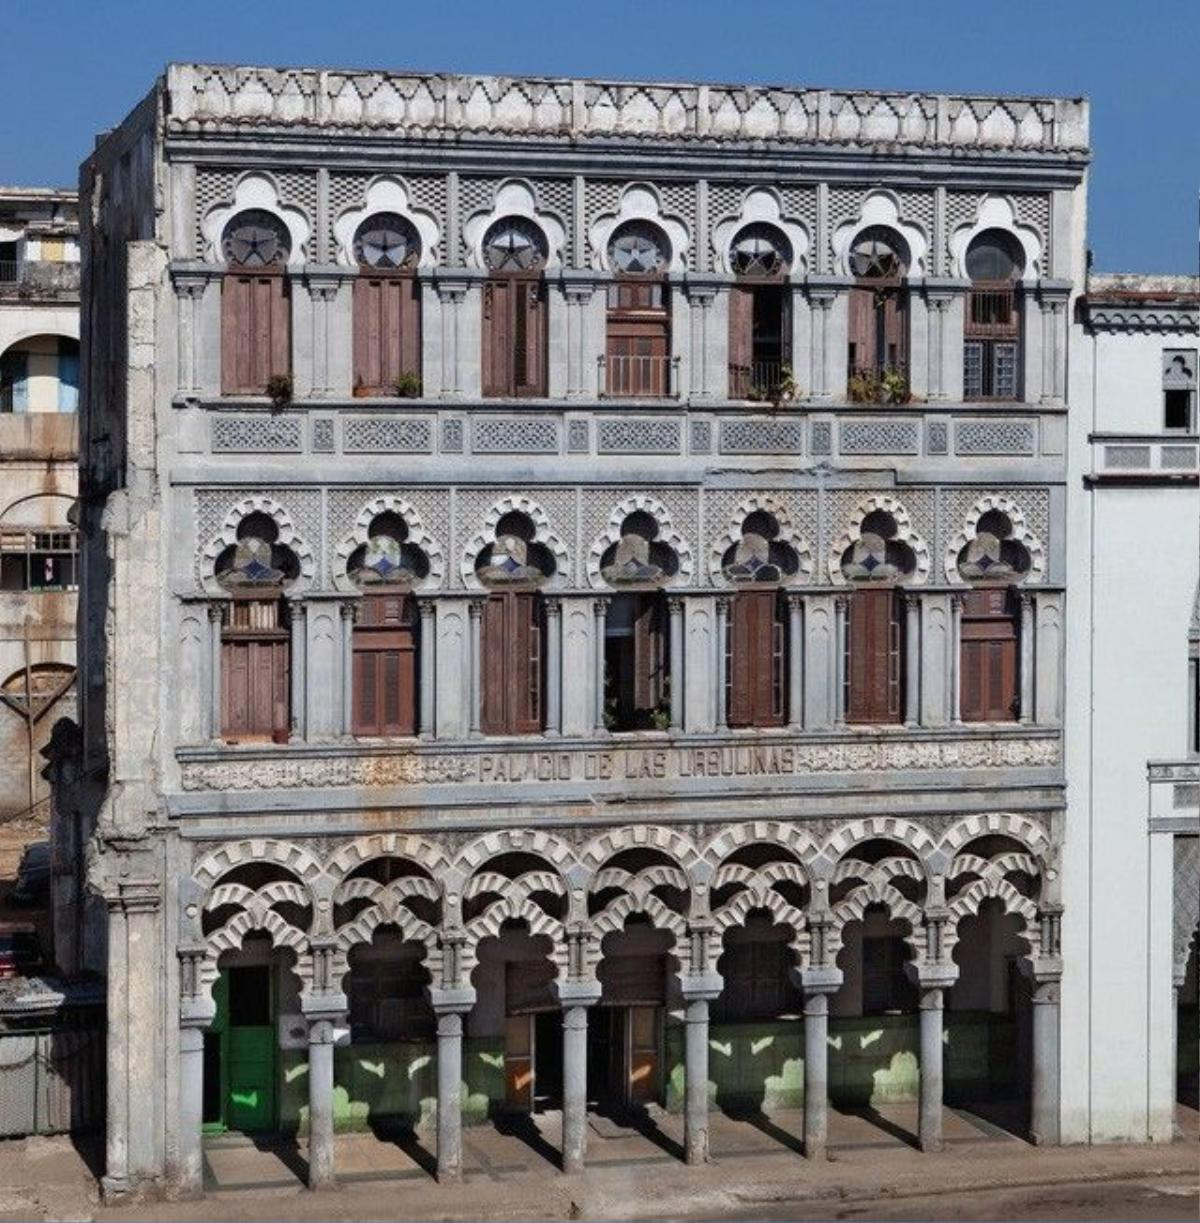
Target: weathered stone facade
[[580, 847]]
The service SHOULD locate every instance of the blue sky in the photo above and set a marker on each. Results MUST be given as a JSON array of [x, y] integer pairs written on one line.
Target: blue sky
[[65, 80]]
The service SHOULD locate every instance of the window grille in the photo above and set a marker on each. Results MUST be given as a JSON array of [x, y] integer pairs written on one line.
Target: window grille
[[38, 560]]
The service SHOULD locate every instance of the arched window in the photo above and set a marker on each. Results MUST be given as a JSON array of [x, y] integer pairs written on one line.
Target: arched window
[[256, 321], [878, 343], [992, 340], [38, 545], [639, 321], [40, 374], [514, 566], [760, 313], [255, 634], [386, 638], [387, 307], [514, 309]]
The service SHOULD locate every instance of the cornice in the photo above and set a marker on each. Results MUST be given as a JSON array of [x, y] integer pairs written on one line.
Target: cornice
[[1141, 316]]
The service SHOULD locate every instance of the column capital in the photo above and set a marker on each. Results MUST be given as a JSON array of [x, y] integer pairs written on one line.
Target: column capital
[[817, 980], [932, 977], [577, 993], [957, 599], [475, 607], [701, 987], [675, 603], [552, 605], [457, 1001], [348, 608], [795, 600]]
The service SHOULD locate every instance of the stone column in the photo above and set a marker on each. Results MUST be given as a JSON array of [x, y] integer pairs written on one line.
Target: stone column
[[795, 604], [599, 611], [189, 290], [191, 1109], [722, 660], [821, 301], [299, 626], [842, 628], [349, 611], [1026, 647], [451, 292], [697, 991], [426, 669], [912, 658], [675, 610], [321, 1036], [475, 611], [700, 299], [1043, 1113], [323, 284], [956, 611], [450, 1005], [576, 997], [577, 294], [929, 1125], [816, 984], [216, 618], [553, 667]]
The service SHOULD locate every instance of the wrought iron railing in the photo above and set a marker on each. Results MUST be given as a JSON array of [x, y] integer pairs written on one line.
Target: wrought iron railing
[[8, 271], [757, 381], [639, 376]]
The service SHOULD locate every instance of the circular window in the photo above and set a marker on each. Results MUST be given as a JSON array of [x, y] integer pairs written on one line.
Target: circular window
[[514, 244], [995, 255], [638, 249], [760, 250], [255, 239], [386, 241], [879, 253]]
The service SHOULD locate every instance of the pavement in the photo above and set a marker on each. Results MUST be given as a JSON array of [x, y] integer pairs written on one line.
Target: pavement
[[873, 1171]]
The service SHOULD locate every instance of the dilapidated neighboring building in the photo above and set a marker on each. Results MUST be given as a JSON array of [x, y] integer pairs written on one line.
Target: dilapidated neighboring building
[[576, 609]]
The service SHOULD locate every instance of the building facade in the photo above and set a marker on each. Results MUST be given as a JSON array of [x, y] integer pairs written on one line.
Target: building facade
[[575, 580], [39, 393]]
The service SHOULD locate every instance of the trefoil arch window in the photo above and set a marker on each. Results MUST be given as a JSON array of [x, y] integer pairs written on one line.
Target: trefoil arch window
[[639, 322], [387, 307], [256, 324], [992, 333], [760, 313], [877, 364], [515, 349]]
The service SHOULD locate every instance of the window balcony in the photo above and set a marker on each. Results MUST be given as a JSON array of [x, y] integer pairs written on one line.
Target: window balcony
[[640, 376], [761, 381]]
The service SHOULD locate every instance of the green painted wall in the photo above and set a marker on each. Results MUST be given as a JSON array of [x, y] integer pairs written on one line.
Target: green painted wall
[[872, 1061]]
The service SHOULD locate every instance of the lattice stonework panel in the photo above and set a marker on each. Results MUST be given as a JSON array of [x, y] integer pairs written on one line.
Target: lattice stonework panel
[[557, 197], [388, 434], [475, 194], [212, 187], [1034, 503], [921, 504], [679, 200], [845, 204], [257, 434], [472, 505], [683, 504], [994, 437], [514, 435], [720, 506], [916, 207], [801, 203], [303, 506], [600, 197], [1034, 209], [432, 506], [961, 209]]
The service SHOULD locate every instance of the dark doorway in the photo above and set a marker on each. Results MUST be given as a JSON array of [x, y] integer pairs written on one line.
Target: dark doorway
[[547, 1060]]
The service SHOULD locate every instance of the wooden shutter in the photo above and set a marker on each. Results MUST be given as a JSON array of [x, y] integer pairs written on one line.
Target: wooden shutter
[[989, 689], [756, 660], [648, 653], [529, 338], [741, 340], [861, 329], [512, 664], [875, 673], [256, 336], [387, 331], [385, 666], [895, 329], [497, 335], [255, 684]]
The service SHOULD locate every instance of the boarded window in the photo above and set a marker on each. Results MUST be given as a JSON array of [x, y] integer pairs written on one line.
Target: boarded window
[[512, 664], [255, 671], [875, 657], [385, 666], [989, 689], [387, 332], [256, 331], [636, 662], [756, 659], [514, 336]]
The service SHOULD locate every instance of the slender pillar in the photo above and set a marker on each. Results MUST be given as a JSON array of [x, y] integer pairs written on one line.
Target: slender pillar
[[695, 1083], [299, 618], [1043, 1120], [475, 610], [574, 1117], [912, 658], [1026, 647], [956, 611], [191, 1109], [675, 607], [348, 612], [929, 1126], [216, 617], [599, 610], [841, 623], [320, 1103], [449, 1106], [795, 605], [722, 660], [816, 1074], [553, 667], [427, 674]]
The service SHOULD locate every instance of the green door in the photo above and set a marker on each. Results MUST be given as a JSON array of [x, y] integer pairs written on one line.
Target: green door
[[245, 1028]]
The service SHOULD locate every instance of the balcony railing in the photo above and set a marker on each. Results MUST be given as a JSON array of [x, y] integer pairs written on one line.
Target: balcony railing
[[634, 377], [8, 271], [758, 381], [874, 384]]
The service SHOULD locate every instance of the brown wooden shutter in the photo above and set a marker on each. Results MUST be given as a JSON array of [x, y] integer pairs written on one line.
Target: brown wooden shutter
[[512, 664], [387, 331], [494, 714], [529, 340], [497, 335], [876, 656], [895, 329], [989, 689], [385, 666], [757, 661], [256, 336], [255, 673], [861, 354], [648, 653], [741, 340]]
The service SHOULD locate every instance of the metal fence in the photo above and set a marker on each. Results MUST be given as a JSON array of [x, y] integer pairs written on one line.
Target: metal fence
[[51, 1081]]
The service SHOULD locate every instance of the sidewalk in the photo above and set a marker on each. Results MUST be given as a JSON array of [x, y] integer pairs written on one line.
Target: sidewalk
[[512, 1174]]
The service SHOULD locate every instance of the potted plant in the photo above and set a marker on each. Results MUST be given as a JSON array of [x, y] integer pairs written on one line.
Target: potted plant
[[862, 387], [279, 391], [894, 386], [785, 389], [407, 386]]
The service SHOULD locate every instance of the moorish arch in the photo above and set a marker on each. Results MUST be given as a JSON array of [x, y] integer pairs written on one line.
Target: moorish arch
[[878, 523], [390, 525], [252, 510]]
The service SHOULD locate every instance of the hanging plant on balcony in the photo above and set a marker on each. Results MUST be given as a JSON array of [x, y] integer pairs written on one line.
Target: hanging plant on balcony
[[894, 386]]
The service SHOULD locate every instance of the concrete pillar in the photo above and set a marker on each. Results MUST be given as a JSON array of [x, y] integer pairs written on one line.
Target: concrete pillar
[[450, 1006], [675, 608], [1026, 647], [912, 658], [842, 622], [299, 643], [553, 667], [348, 611], [795, 699], [216, 617], [695, 1071], [191, 1109], [599, 610], [929, 1126], [1044, 1106], [816, 1074], [956, 611], [426, 673], [574, 1106], [722, 661], [475, 610], [320, 1102]]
